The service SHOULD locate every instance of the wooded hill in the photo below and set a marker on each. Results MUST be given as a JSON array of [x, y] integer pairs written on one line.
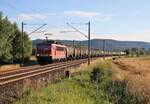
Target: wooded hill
[[109, 44]]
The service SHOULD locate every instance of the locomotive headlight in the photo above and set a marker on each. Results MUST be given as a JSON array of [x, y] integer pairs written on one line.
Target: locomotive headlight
[[37, 55]]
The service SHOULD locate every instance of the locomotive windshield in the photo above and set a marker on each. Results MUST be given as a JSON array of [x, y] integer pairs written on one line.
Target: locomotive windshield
[[44, 49]]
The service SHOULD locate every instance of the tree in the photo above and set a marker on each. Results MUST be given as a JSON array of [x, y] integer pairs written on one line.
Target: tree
[[10, 42], [6, 36], [27, 47], [16, 43], [127, 51]]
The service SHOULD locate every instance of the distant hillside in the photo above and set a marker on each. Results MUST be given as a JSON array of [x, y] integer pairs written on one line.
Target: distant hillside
[[109, 44]]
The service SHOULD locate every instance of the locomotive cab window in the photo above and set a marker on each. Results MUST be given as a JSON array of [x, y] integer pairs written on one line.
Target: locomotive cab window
[[60, 48], [44, 47]]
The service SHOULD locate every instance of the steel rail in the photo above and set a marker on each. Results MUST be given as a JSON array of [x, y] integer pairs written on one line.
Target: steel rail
[[31, 71], [33, 67], [26, 68], [13, 78], [32, 75], [29, 68]]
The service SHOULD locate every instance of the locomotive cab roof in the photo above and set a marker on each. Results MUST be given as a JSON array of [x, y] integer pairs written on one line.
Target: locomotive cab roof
[[50, 42]]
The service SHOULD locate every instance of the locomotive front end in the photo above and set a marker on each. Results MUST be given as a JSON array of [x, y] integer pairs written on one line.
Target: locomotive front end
[[43, 53]]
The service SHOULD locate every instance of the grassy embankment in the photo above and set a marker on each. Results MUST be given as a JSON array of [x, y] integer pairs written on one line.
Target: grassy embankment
[[81, 88]]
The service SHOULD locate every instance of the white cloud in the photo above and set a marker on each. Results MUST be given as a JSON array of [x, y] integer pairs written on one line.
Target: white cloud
[[34, 16], [86, 15], [81, 14], [95, 16]]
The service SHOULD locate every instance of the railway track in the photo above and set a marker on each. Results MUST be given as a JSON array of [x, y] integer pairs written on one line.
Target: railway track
[[27, 72]]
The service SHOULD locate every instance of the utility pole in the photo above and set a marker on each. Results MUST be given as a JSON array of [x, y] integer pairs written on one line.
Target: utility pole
[[87, 36], [89, 43], [80, 49], [111, 50], [104, 49], [22, 37], [22, 43], [73, 49]]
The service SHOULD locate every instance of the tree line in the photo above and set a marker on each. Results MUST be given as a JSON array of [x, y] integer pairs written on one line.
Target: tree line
[[137, 51], [10, 42]]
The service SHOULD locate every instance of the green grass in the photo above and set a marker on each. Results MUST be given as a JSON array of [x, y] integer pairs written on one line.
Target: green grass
[[77, 90], [81, 89]]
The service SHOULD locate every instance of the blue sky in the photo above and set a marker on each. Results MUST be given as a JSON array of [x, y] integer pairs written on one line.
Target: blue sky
[[113, 19]]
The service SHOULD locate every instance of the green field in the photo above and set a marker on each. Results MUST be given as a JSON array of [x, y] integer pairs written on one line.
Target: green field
[[81, 89]]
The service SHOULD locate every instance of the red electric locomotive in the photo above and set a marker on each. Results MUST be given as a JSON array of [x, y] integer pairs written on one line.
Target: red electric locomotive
[[48, 52]]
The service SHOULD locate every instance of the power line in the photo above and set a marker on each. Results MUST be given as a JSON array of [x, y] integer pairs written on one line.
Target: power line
[[35, 10], [11, 6], [18, 10], [37, 29], [77, 30]]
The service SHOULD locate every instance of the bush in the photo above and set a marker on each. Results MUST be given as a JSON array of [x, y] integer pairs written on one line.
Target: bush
[[102, 72]]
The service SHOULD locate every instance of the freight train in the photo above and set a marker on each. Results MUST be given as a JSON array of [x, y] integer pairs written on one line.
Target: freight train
[[51, 52]]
